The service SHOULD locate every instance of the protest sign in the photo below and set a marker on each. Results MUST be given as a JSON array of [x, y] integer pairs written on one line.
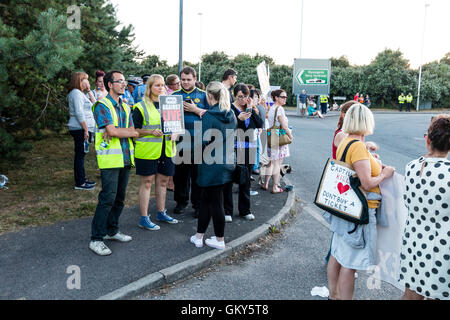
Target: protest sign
[[263, 78], [172, 114]]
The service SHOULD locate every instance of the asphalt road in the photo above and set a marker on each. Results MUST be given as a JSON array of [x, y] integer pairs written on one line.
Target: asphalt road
[[294, 264]]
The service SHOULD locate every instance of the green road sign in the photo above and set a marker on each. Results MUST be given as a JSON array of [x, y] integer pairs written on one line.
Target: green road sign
[[312, 76]]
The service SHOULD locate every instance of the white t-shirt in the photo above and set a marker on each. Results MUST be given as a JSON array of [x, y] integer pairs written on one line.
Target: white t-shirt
[[272, 115]]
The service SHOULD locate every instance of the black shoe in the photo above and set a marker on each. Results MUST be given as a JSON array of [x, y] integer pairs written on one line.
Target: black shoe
[[179, 208], [255, 172], [196, 213], [92, 183]]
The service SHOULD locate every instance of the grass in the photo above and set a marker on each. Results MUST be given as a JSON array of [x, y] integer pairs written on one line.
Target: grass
[[41, 187]]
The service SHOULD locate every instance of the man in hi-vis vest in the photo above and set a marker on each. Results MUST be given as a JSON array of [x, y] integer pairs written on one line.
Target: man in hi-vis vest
[[115, 156]]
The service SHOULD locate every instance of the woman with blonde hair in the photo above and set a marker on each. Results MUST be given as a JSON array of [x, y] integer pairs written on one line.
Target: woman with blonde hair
[[354, 247], [81, 125], [153, 153], [216, 169]]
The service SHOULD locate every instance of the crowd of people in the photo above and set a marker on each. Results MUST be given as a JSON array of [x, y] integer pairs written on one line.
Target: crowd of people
[[122, 118], [424, 257]]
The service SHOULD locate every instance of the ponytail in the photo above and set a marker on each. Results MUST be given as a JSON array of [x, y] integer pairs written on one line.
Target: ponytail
[[220, 93]]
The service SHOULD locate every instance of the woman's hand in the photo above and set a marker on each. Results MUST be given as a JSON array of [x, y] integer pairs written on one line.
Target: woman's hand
[[387, 171], [157, 133], [86, 135], [244, 116]]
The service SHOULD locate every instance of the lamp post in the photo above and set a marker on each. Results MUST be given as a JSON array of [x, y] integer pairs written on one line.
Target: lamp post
[[180, 43], [300, 56], [200, 63], [421, 57]]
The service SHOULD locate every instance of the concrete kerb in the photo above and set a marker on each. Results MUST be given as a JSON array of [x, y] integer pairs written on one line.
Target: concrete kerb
[[182, 269]]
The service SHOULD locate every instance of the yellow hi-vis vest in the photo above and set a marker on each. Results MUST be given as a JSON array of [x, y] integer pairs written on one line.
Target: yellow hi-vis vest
[[323, 99], [150, 147], [409, 98], [110, 155], [401, 99]]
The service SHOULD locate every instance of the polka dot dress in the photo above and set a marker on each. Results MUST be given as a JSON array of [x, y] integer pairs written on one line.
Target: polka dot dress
[[425, 253]]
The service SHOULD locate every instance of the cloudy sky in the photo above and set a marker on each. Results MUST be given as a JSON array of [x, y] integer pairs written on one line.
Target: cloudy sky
[[358, 29]]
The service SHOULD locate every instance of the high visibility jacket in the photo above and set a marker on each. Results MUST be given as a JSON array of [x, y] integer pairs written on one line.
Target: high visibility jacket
[[110, 155], [150, 147], [401, 99], [409, 98], [323, 99]]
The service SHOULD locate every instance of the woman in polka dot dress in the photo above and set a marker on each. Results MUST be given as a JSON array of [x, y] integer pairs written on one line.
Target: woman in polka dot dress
[[425, 253]]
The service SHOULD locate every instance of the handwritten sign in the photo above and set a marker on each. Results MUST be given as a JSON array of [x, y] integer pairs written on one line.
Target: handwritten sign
[[335, 192], [172, 115]]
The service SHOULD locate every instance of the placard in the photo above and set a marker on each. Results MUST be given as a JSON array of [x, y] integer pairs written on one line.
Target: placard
[[263, 78], [335, 191], [172, 114]]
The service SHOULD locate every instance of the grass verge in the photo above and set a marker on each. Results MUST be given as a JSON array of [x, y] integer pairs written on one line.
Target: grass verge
[[41, 187]]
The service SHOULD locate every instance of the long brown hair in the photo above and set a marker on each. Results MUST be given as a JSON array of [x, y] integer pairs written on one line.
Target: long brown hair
[[344, 107], [75, 81]]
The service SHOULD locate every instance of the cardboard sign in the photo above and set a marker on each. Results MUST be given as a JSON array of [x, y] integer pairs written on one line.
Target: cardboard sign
[[263, 78], [172, 114], [335, 192]]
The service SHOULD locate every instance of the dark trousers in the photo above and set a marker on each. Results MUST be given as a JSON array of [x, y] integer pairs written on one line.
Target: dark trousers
[[110, 202], [244, 196], [185, 181], [323, 108], [78, 161], [212, 207], [400, 106], [408, 106]]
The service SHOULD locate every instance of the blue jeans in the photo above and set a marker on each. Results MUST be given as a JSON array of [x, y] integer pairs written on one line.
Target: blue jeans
[[110, 202], [256, 166]]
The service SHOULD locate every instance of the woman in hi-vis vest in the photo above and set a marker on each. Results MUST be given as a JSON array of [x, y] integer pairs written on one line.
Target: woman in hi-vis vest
[[153, 153]]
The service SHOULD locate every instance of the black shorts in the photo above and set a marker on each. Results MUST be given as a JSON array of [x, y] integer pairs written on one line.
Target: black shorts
[[163, 165]]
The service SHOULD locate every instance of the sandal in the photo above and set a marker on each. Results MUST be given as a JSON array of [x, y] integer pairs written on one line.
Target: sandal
[[280, 191]]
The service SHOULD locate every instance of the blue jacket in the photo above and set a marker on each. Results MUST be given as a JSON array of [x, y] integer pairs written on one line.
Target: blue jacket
[[138, 93], [217, 169]]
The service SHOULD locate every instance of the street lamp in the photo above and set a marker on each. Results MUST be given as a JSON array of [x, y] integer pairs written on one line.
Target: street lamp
[[300, 56], [180, 41], [200, 63], [421, 56]]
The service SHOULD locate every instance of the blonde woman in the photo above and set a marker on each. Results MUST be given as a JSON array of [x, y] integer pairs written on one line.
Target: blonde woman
[[212, 177], [351, 251], [153, 153]]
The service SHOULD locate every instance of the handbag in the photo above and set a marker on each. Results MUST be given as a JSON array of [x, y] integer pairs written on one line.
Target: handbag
[[277, 136], [340, 192]]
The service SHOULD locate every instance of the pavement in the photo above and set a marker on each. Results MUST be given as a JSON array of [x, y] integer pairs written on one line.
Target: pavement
[[54, 262]]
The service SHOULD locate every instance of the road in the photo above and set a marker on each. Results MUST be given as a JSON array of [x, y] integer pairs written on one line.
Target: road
[[294, 263]]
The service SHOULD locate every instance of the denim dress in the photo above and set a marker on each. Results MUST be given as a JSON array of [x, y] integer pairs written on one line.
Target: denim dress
[[356, 250]]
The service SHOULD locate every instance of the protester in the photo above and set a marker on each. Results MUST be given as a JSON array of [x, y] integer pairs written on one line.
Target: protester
[[229, 79], [312, 110], [425, 258], [303, 100], [195, 105], [100, 92], [245, 147], [361, 99], [173, 83], [367, 102], [153, 153], [338, 134], [213, 176], [255, 95], [276, 155], [139, 92], [356, 97], [115, 156], [356, 250], [128, 95], [81, 126], [200, 85]]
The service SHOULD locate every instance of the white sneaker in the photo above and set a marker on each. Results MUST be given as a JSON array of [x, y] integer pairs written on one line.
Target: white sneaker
[[249, 217], [253, 193], [212, 242], [197, 241], [228, 218], [99, 248], [119, 237]]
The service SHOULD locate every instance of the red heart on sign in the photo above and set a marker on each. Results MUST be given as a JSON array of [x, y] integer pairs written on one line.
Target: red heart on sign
[[342, 188]]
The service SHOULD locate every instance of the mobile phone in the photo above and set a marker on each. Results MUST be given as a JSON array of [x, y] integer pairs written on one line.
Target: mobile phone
[[189, 100], [249, 109]]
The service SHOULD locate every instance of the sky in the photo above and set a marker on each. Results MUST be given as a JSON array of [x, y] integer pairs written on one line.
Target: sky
[[358, 29]]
